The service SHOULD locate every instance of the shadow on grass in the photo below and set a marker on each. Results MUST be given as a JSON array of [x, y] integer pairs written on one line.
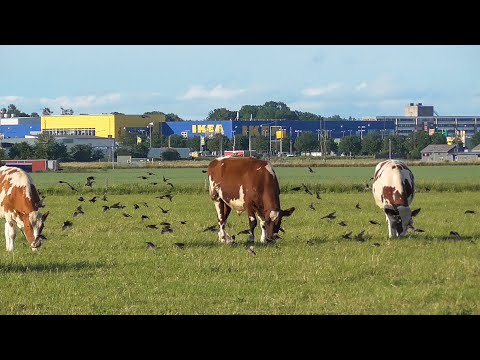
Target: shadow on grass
[[51, 267]]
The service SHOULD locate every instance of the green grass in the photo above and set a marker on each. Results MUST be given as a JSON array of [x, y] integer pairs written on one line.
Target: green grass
[[101, 265]]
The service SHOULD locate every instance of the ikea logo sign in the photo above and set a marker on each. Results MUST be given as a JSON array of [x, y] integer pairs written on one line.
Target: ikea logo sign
[[207, 129]]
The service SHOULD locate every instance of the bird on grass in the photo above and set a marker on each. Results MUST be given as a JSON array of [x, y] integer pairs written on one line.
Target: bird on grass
[[204, 171], [211, 228], [312, 206], [167, 229], [78, 212], [360, 236], [144, 217], [93, 199], [183, 222], [81, 198], [347, 236], [376, 244], [105, 208], [330, 216], [153, 226], [310, 169], [318, 195], [135, 206], [163, 210], [150, 173], [342, 223], [305, 188], [244, 232], [373, 222], [357, 205], [181, 246], [150, 245], [67, 225], [455, 234], [296, 188], [251, 250], [126, 215], [165, 179], [469, 211]]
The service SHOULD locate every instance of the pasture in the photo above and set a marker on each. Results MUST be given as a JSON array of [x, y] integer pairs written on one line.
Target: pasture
[[101, 265]]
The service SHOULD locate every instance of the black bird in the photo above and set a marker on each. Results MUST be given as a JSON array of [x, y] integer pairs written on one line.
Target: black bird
[[297, 188], [211, 228], [183, 222], [144, 217], [104, 198], [151, 246], [164, 179], [165, 223], [145, 204], [330, 216], [150, 173], [105, 208], [91, 178], [169, 183], [71, 187], [427, 189], [42, 237], [312, 206], [247, 231], [79, 208], [126, 215], [117, 206], [153, 226], [167, 229], [143, 177], [163, 210], [282, 230], [455, 234], [318, 195], [418, 230], [181, 246], [347, 236], [93, 199], [373, 222], [78, 213], [310, 169], [342, 223], [154, 183], [251, 250], [469, 211], [135, 206], [306, 189], [145, 116], [358, 205], [89, 183], [360, 237], [376, 244], [204, 171], [67, 225]]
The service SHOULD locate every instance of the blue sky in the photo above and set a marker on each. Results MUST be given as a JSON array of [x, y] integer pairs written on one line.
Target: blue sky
[[192, 80]]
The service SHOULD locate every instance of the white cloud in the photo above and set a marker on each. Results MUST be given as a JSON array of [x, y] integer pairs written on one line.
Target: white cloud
[[83, 102], [10, 100], [218, 92], [324, 90], [307, 106], [361, 86]]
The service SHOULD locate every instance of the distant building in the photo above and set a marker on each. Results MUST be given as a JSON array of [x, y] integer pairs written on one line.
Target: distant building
[[440, 152], [18, 127]]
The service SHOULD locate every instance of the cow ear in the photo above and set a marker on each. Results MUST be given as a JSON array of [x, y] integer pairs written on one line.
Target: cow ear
[[44, 216], [288, 212], [391, 212], [415, 212]]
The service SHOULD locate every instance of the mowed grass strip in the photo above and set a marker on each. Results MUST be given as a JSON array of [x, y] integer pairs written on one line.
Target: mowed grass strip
[[102, 265]]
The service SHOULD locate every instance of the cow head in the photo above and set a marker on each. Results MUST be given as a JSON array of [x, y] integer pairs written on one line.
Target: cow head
[[32, 225], [273, 222], [401, 218]]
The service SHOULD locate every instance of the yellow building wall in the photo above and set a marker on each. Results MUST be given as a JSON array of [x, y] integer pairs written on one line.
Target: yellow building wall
[[105, 125]]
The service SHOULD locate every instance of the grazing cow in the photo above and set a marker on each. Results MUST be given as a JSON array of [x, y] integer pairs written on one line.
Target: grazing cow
[[19, 203], [393, 189], [246, 184]]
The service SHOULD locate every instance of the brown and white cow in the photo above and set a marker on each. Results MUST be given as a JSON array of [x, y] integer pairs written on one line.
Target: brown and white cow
[[394, 189], [246, 184], [19, 203]]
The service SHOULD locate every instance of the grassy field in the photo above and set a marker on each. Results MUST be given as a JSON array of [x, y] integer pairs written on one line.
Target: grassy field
[[102, 266]]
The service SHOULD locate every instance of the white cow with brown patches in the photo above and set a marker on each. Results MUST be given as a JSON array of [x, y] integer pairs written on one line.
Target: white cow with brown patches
[[394, 189], [19, 203], [246, 184]]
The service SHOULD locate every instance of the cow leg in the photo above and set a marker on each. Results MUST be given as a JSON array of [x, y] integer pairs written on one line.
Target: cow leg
[[392, 231], [10, 235], [222, 214], [252, 222], [263, 237]]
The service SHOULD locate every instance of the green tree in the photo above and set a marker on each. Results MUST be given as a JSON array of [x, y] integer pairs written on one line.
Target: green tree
[[259, 143], [46, 111], [177, 141], [371, 144], [307, 116], [306, 142], [332, 146], [248, 111], [218, 143], [221, 114], [194, 143], [416, 142], [3, 154], [275, 110], [350, 145], [397, 143], [22, 151], [34, 114], [475, 140], [438, 138], [170, 155], [81, 153]]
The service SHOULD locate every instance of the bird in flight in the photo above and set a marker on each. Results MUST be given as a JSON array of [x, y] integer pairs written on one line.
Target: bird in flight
[[71, 187], [330, 216]]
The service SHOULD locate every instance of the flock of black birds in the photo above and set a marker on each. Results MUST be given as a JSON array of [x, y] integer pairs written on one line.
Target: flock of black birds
[[167, 226]]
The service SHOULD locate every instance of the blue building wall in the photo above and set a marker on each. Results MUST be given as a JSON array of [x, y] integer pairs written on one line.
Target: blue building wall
[[24, 127], [336, 129]]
